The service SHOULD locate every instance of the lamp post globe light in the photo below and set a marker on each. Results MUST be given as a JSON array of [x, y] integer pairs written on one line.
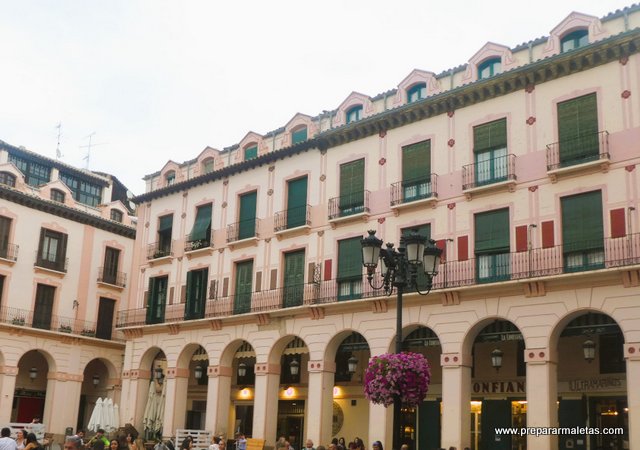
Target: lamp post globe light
[[399, 270]]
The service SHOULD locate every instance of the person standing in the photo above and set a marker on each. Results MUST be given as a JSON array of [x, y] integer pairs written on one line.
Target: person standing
[[21, 439], [73, 442], [241, 442], [6, 443], [309, 445]]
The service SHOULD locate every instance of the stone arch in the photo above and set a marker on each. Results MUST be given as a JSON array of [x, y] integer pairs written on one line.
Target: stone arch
[[336, 340], [51, 362], [185, 355], [229, 351], [148, 356], [277, 349], [473, 331], [112, 372]]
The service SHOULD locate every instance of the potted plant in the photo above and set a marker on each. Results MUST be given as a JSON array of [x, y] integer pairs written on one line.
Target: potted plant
[[405, 374], [18, 321], [65, 328], [88, 332]]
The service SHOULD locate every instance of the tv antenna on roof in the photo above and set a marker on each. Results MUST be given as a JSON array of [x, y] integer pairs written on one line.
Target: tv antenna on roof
[[88, 147], [58, 152]]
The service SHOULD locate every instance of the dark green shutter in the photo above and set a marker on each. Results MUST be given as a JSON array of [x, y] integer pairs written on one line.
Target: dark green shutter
[[578, 129], [196, 293], [250, 153], [349, 259], [293, 278], [490, 136], [416, 161], [244, 287], [202, 225], [299, 136], [247, 225], [492, 232], [495, 414], [166, 223], [5, 229], [571, 414], [423, 230], [189, 294], [429, 425], [582, 222], [352, 185], [297, 202], [157, 299]]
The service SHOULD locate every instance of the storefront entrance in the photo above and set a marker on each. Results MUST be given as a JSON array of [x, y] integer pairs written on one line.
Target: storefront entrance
[[291, 421]]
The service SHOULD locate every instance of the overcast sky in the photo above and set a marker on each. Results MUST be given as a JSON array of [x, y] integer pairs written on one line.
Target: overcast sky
[[160, 80]]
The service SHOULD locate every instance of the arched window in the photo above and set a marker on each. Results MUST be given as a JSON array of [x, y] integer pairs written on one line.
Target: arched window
[[250, 152], [417, 92], [573, 40], [170, 177], [207, 165], [299, 135], [489, 68], [354, 113], [57, 195], [7, 179], [116, 215]]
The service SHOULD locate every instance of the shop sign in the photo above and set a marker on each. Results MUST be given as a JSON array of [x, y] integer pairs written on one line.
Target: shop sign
[[498, 387], [596, 384]]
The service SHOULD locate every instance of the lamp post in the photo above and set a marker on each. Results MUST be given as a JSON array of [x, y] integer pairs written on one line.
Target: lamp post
[[399, 270]]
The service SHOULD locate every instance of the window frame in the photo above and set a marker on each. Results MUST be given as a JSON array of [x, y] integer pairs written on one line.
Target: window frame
[[250, 152], [493, 259], [82, 191], [61, 196], [35, 174], [354, 113], [7, 179], [419, 90], [116, 215], [492, 64], [577, 38]]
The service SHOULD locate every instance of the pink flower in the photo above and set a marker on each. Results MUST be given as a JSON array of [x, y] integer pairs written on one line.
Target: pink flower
[[405, 374]]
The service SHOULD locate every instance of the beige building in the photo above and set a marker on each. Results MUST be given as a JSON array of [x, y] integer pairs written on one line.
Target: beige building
[[66, 243]]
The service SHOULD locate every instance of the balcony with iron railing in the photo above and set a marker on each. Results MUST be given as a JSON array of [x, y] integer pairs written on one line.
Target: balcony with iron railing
[[347, 206], [489, 174], [414, 192], [51, 261], [193, 244], [535, 263], [160, 249], [292, 218], [52, 322], [584, 151], [9, 252], [243, 230], [108, 275]]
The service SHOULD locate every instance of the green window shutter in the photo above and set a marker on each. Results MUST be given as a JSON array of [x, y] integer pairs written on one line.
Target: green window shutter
[[202, 225], [352, 184], [492, 232], [490, 136], [297, 202], [299, 136], [578, 128], [250, 153], [247, 226], [349, 259], [190, 293], [416, 161], [244, 278], [166, 223], [582, 227], [293, 278]]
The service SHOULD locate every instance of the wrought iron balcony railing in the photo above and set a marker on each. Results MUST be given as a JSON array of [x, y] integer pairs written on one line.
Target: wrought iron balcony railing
[[160, 249], [530, 264], [407, 191], [292, 218], [348, 205], [10, 252], [491, 171], [245, 229], [110, 276], [51, 261], [191, 244], [579, 150]]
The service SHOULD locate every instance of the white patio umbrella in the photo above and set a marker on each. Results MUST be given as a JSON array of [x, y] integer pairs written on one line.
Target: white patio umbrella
[[150, 408], [116, 416], [96, 420], [109, 415], [159, 419]]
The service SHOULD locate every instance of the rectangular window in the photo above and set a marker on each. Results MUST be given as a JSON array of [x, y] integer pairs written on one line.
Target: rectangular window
[[349, 269], [299, 136], [421, 279], [297, 202], [200, 235], [247, 216], [293, 279], [5, 230], [416, 171], [578, 130], [582, 232], [197, 281], [250, 153], [490, 152], [43, 310], [35, 174], [106, 311], [2, 278], [116, 215], [244, 287], [83, 191], [52, 250], [111, 264], [165, 232], [157, 299], [492, 246], [352, 188]]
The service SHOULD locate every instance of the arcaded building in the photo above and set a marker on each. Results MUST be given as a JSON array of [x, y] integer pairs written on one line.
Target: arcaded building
[[66, 244], [247, 301]]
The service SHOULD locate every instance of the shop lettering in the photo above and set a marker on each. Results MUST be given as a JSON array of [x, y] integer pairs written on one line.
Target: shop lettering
[[498, 387], [594, 384]]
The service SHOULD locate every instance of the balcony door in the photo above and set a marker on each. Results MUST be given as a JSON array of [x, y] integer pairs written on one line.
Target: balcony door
[[296, 202], [196, 293], [157, 299], [293, 278], [244, 287], [106, 310], [44, 307], [111, 260], [247, 219], [5, 228]]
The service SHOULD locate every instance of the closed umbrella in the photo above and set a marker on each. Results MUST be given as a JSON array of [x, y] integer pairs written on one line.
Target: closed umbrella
[[109, 419], [96, 416], [150, 408], [160, 410], [116, 416]]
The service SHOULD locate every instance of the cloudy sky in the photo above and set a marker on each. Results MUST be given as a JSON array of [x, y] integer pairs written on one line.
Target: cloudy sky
[[159, 80]]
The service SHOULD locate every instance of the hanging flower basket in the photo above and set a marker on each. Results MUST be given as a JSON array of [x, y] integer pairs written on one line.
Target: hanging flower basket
[[405, 374]]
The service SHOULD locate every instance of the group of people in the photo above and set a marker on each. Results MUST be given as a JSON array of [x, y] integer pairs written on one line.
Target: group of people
[[336, 444], [23, 441]]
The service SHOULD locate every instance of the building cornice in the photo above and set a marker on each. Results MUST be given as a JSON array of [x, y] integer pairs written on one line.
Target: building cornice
[[602, 52], [65, 212]]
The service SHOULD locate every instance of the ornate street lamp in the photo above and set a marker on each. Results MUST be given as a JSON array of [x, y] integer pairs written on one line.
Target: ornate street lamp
[[242, 370], [96, 380], [294, 368], [496, 359], [352, 363], [33, 373], [589, 350], [399, 270], [159, 374], [198, 372]]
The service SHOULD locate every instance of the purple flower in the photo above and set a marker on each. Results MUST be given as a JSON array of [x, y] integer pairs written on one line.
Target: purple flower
[[405, 374]]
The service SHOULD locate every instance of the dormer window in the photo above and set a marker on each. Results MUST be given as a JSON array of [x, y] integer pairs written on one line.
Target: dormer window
[[57, 195], [489, 68], [299, 135], [8, 179], [250, 152], [116, 215], [417, 92], [576, 39], [354, 113], [207, 165], [170, 178]]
